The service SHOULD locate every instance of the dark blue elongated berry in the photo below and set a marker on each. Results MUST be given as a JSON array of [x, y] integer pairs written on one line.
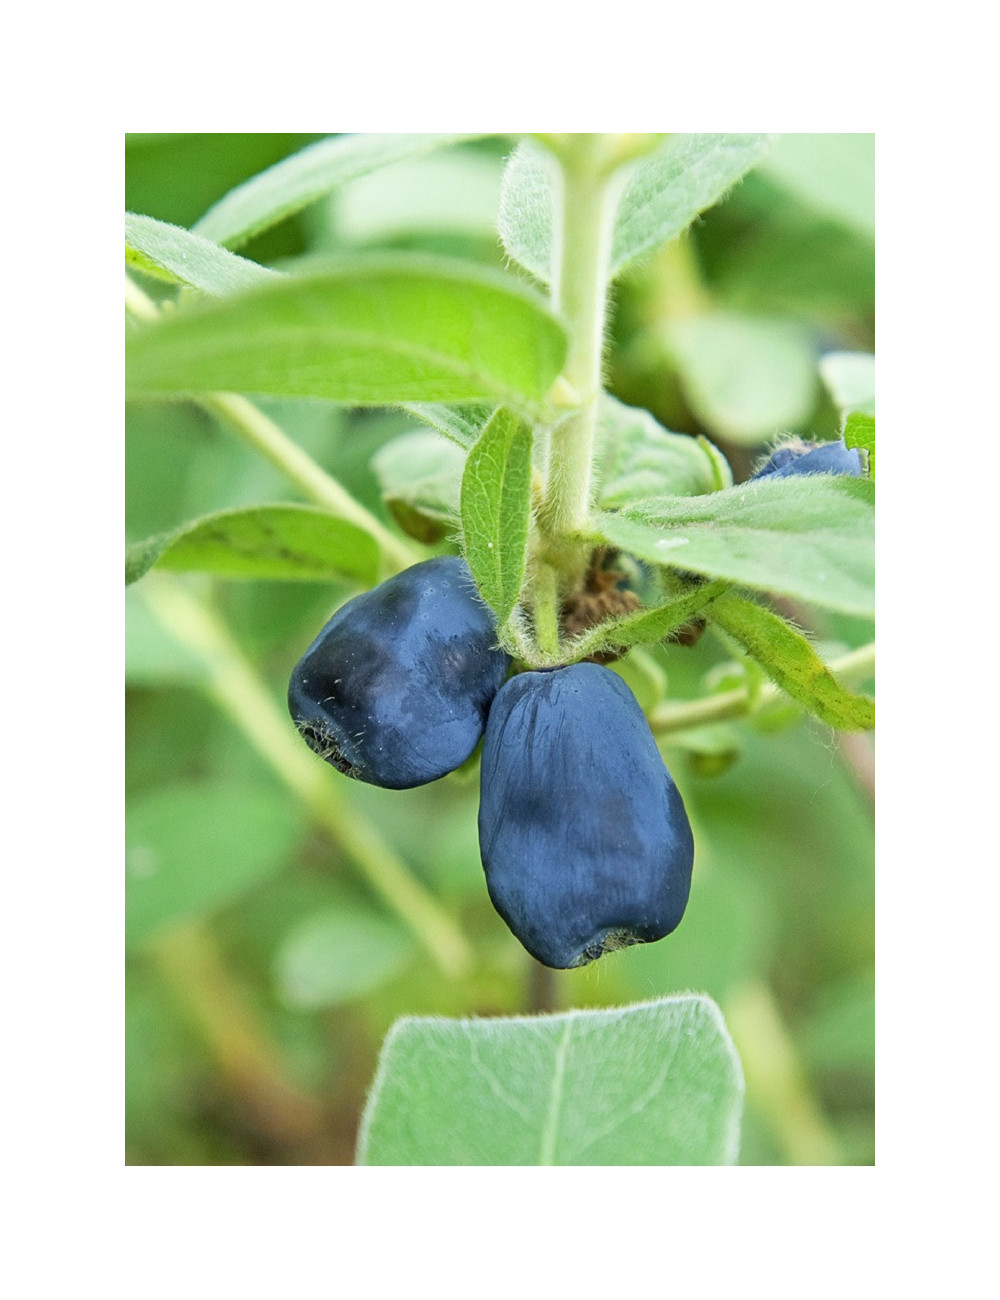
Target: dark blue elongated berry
[[583, 834], [812, 458], [396, 688]]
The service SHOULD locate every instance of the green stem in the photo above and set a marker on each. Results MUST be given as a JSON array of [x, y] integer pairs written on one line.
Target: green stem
[[737, 703], [265, 437], [239, 692], [579, 295]]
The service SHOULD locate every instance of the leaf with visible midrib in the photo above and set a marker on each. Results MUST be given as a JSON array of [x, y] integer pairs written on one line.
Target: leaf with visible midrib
[[496, 510], [284, 541], [789, 659], [368, 331], [811, 537], [658, 1083]]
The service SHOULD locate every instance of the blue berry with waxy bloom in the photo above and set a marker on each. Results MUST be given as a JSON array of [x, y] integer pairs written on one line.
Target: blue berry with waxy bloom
[[396, 688], [583, 834], [812, 458]]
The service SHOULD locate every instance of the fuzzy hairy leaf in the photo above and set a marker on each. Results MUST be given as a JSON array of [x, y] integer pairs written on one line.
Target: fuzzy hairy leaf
[[640, 458], [462, 424], [282, 541], [656, 1083], [812, 538], [295, 182], [684, 176], [368, 331], [526, 220], [790, 661], [175, 254], [496, 510]]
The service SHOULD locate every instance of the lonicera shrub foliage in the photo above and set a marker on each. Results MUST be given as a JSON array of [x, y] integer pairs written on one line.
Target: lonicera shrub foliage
[[529, 481]]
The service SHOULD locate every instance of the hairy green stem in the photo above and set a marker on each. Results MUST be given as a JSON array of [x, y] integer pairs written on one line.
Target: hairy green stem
[[582, 255], [262, 434], [237, 689], [737, 703]]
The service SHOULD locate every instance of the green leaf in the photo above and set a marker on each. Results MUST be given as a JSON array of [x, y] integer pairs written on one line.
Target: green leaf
[[859, 431], [657, 1083], [371, 331], [295, 182], [282, 541], [791, 662], [686, 174], [496, 510], [746, 377], [462, 424], [420, 475], [454, 191], [527, 219], [191, 849], [642, 459], [834, 174], [338, 955], [175, 254], [850, 379], [811, 538], [648, 625]]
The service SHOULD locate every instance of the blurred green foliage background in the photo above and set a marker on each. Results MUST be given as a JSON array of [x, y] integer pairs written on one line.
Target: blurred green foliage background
[[262, 971]]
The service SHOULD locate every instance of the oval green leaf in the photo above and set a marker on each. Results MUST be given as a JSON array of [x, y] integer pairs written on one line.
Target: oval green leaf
[[288, 542], [496, 510], [687, 174], [658, 1083], [812, 538], [338, 955], [377, 331]]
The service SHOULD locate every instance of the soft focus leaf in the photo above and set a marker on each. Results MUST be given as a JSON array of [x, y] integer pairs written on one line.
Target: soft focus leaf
[[190, 849], [337, 955], [746, 377], [175, 254], [283, 541], [687, 174], [833, 173], [657, 1083], [368, 332], [295, 182], [788, 658], [420, 475], [812, 538], [496, 510], [850, 378]]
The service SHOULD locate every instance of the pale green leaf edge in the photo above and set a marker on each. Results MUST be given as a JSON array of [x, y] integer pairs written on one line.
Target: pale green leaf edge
[[735, 1119]]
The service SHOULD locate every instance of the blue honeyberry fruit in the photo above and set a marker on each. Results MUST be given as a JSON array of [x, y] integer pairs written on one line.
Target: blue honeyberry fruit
[[584, 838], [812, 458], [396, 688]]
